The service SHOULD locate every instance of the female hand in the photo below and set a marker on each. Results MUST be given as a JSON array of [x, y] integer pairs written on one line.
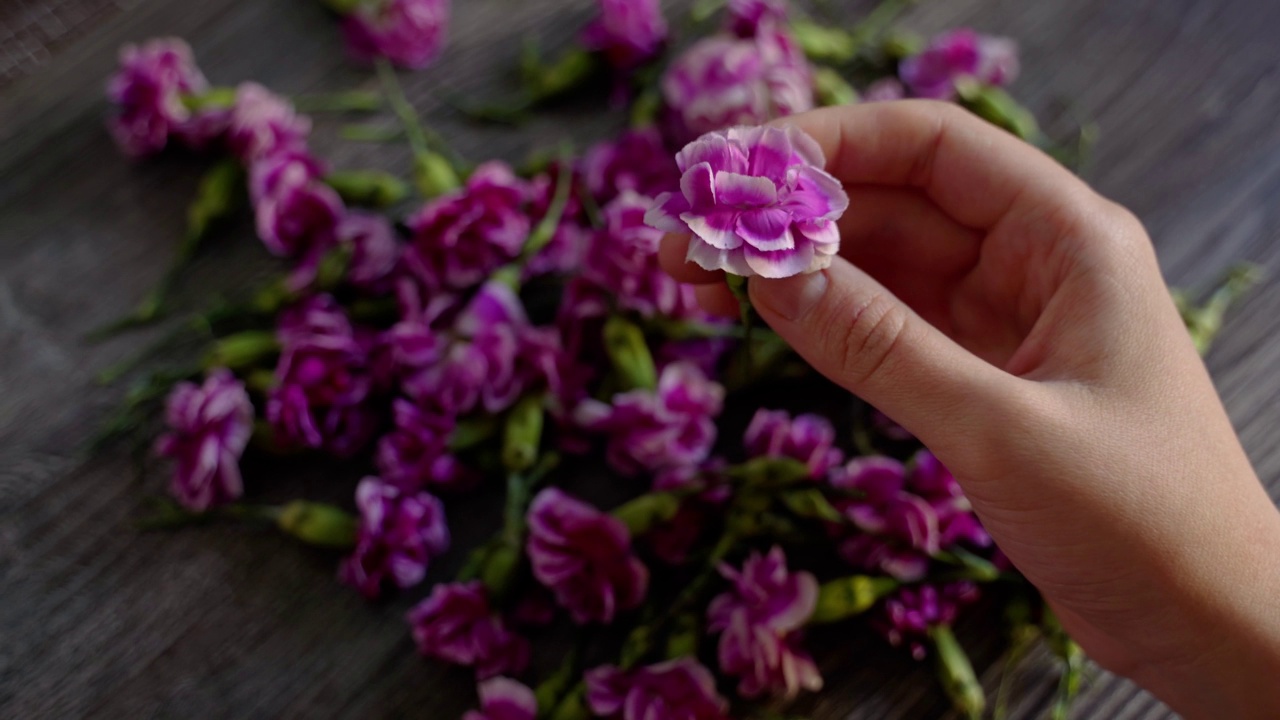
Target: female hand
[[1017, 323]]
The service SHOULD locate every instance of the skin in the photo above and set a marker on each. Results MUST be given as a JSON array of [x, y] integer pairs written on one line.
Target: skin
[[1017, 323]]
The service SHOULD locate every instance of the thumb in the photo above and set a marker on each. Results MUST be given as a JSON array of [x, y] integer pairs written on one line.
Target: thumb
[[863, 338]]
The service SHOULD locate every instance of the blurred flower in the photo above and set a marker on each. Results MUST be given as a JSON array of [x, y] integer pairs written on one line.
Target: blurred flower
[[722, 81], [455, 623], [209, 426], [883, 90], [563, 252], [807, 438], [756, 201], [958, 54], [461, 237], [416, 453], [908, 614], [636, 160], [398, 535], [502, 698], [671, 426], [322, 380], [746, 16], [680, 689], [296, 214], [409, 33], [148, 91], [374, 250], [704, 353], [623, 257], [262, 123], [628, 33], [584, 557], [758, 619]]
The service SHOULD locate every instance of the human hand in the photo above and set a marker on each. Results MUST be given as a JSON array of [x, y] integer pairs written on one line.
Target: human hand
[[1017, 323]]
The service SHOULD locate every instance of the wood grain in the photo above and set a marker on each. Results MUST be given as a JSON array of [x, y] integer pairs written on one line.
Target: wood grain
[[98, 620]]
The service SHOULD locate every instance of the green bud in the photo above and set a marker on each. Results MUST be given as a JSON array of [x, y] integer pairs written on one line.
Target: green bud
[[637, 645], [900, 45], [998, 108], [472, 431], [641, 514], [956, 673], [318, 524], [243, 350], [848, 596], [332, 269], [632, 362], [273, 296], [216, 98], [549, 691], [811, 503], [683, 640], [434, 174], [770, 472], [824, 43], [522, 434], [566, 74], [572, 707], [499, 569], [975, 567], [831, 88], [373, 188], [216, 198]]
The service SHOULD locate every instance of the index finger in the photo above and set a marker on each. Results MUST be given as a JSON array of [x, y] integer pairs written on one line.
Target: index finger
[[971, 169]]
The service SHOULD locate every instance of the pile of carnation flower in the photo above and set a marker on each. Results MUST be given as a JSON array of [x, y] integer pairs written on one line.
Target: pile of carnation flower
[[514, 329]]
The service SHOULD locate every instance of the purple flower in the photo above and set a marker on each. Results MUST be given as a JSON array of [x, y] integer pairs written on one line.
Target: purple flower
[[416, 453], [262, 123], [628, 33], [756, 201], [637, 160], [456, 624], [758, 619], [722, 81], [461, 237], [322, 380], [680, 689], [209, 426], [911, 611], [296, 214], [623, 257], [704, 353], [502, 698], [745, 17], [652, 430], [409, 33], [807, 438], [584, 557], [148, 91], [955, 55], [883, 90], [399, 533], [374, 250], [956, 521]]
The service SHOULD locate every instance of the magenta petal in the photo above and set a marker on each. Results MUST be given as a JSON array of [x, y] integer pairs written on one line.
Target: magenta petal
[[806, 147], [714, 149], [771, 154], [817, 195], [717, 229], [665, 213], [779, 263], [698, 187], [822, 233], [744, 190], [766, 229]]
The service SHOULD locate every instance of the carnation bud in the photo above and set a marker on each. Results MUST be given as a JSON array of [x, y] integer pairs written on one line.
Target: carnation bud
[[215, 98], [499, 569], [811, 503], [957, 675], [684, 637], [831, 89], [848, 596], [998, 108], [318, 524], [632, 361], [641, 514], [522, 434], [374, 188], [770, 472], [572, 707], [434, 174], [216, 198], [824, 43], [243, 350], [900, 44]]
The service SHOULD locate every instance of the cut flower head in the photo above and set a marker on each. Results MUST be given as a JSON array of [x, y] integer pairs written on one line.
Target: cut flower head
[[756, 201]]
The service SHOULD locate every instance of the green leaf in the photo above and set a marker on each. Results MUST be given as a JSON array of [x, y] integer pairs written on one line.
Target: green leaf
[[849, 596], [811, 503], [243, 350]]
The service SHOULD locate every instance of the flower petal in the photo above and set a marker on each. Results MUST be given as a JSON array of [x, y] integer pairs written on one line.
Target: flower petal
[[737, 190], [698, 187], [766, 229], [806, 147], [779, 263], [714, 149], [718, 229], [665, 212], [771, 154]]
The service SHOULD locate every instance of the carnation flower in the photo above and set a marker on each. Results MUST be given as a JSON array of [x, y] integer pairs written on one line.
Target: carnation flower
[[758, 619], [636, 160], [209, 426], [680, 689], [883, 90], [148, 91], [745, 17], [628, 33], [296, 214], [322, 380], [756, 201], [807, 438], [374, 250], [671, 426], [502, 698], [456, 624], [398, 534], [461, 237], [955, 55], [416, 453], [907, 615], [262, 123], [623, 257], [584, 557], [722, 81], [409, 33]]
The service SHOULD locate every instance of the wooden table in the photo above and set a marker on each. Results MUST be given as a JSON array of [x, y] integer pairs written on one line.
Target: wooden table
[[98, 619]]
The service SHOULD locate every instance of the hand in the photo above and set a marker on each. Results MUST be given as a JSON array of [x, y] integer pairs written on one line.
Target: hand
[[1017, 323]]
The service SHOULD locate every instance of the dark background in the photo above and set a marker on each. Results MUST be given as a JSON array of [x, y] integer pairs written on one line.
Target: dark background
[[97, 619]]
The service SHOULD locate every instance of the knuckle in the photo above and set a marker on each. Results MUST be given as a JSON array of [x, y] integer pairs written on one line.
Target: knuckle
[[874, 330]]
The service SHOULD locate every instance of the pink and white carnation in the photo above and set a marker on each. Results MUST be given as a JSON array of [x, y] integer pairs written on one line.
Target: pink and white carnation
[[456, 623], [149, 90], [957, 55], [636, 160], [502, 698], [744, 18], [296, 214], [409, 33], [584, 557], [756, 201], [416, 453], [262, 123], [628, 33], [398, 534], [209, 427], [808, 438], [681, 689], [623, 257]]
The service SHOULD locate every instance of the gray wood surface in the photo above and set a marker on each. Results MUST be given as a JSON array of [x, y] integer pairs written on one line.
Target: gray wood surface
[[99, 620]]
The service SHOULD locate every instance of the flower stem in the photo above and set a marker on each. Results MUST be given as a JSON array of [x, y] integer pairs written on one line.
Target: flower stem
[[339, 102]]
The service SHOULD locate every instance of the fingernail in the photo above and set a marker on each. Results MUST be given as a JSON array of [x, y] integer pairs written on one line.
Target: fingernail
[[791, 297]]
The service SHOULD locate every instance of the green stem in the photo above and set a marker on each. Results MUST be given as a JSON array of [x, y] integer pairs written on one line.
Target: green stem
[[402, 108], [339, 102]]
